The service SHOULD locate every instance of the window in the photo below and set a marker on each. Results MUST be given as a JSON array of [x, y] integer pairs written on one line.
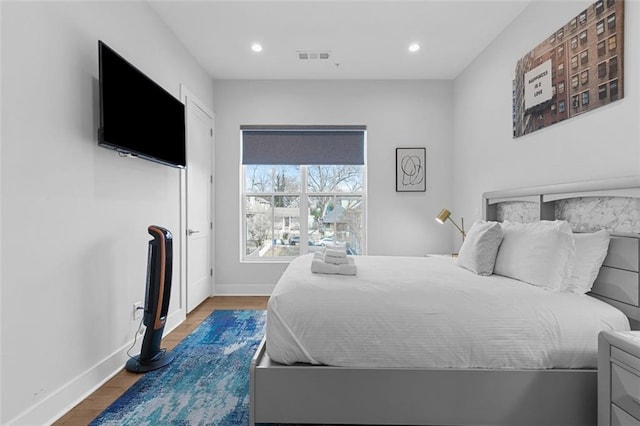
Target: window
[[611, 3], [613, 67], [561, 106], [552, 39], [613, 90], [575, 101], [584, 77], [561, 70], [574, 42], [574, 61], [612, 43], [582, 18], [602, 69], [302, 188], [600, 27], [585, 98], [561, 87], [553, 90], [584, 57], [583, 37], [560, 33], [561, 49], [553, 109], [574, 81], [601, 48], [599, 7], [611, 22], [602, 91], [573, 24]]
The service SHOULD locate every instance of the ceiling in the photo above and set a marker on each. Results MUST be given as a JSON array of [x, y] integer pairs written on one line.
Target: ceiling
[[363, 39]]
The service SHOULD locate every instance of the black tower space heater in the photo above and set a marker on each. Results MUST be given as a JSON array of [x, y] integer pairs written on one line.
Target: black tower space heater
[[156, 303]]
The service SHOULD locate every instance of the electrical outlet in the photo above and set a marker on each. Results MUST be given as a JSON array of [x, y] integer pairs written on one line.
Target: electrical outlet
[[137, 310]]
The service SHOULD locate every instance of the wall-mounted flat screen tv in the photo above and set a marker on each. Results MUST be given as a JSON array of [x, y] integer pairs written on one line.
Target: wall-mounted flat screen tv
[[137, 116]]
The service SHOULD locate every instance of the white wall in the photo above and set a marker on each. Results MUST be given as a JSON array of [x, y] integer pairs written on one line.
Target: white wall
[[600, 144], [75, 216], [396, 113]]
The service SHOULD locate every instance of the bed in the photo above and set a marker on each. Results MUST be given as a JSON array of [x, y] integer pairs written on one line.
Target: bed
[[425, 374]]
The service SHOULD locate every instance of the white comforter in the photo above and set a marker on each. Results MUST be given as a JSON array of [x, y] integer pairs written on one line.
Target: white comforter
[[426, 312]]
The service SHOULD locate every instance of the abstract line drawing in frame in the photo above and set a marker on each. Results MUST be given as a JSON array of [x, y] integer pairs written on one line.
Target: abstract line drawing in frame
[[411, 169], [576, 69]]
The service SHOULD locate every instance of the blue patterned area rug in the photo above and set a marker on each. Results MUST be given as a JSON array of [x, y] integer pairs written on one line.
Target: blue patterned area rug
[[206, 384]]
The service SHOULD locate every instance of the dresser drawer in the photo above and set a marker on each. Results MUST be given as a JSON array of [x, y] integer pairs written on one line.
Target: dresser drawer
[[621, 418], [625, 390]]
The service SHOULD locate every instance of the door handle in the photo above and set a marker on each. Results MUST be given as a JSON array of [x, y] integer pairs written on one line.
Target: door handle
[[192, 231]]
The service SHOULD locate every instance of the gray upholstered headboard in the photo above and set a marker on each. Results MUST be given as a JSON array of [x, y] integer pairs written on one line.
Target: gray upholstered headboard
[[612, 204]]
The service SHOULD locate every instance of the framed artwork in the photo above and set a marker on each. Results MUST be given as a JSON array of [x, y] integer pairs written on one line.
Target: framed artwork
[[574, 70], [411, 169]]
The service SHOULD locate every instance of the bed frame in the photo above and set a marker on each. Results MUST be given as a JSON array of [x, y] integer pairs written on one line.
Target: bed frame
[[304, 393]]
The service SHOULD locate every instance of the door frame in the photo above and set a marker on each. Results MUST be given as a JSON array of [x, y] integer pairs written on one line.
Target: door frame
[[185, 96]]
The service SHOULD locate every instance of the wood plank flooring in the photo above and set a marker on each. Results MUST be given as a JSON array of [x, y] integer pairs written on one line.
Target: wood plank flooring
[[94, 404]]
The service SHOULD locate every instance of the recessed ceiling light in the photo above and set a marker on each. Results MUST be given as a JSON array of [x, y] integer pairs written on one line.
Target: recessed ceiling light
[[414, 47], [256, 47]]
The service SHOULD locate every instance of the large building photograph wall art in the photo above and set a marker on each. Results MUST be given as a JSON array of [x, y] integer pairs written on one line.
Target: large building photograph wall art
[[575, 70]]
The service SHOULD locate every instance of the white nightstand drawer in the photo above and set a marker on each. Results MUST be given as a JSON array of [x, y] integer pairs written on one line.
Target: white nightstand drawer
[[625, 390], [621, 418], [625, 358]]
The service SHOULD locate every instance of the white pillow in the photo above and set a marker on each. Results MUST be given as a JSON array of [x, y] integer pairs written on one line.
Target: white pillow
[[480, 247], [540, 253], [591, 249]]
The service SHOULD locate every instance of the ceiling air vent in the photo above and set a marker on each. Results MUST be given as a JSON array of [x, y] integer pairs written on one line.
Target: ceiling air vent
[[304, 55]]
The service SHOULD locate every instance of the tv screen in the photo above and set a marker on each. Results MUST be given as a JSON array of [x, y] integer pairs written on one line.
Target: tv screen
[[137, 116]]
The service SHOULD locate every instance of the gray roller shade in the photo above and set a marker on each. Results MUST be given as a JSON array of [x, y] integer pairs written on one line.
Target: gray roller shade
[[327, 145]]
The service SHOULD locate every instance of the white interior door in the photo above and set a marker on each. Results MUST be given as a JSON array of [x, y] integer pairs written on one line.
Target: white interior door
[[199, 195]]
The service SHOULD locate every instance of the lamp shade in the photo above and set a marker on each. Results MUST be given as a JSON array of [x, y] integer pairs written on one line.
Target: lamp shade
[[443, 215]]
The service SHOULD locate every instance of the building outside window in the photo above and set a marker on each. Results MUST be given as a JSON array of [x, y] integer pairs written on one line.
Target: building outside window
[[303, 188]]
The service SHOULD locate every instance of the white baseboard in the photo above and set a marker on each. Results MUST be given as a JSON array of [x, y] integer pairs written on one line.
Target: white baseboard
[[244, 289], [48, 410]]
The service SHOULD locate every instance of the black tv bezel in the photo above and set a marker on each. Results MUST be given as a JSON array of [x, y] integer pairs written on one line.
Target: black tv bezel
[[125, 150]]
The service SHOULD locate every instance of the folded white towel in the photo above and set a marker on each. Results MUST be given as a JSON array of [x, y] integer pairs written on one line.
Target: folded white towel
[[335, 252], [335, 260], [319, 266]]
